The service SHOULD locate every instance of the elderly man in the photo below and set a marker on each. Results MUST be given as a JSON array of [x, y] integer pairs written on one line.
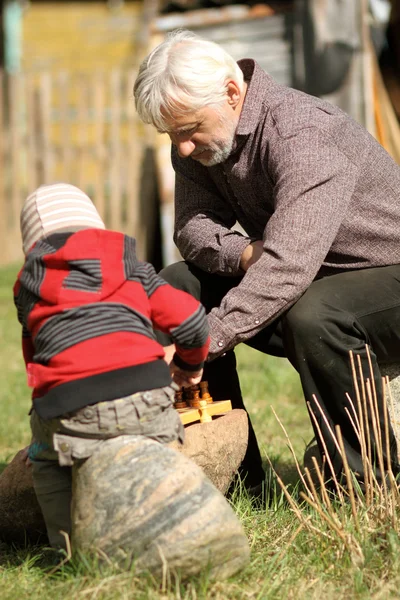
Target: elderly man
[[317, 273]]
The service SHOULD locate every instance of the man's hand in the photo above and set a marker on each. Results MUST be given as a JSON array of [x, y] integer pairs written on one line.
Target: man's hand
[[184, 378], [251, 254]]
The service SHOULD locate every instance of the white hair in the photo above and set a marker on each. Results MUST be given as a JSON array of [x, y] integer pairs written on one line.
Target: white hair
[[182, 74]]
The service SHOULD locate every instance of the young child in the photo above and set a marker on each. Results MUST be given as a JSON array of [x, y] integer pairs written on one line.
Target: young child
[[87, 308]]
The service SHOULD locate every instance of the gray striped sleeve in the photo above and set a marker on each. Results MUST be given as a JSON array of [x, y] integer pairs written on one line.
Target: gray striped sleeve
[[146, 275], [193, 332]]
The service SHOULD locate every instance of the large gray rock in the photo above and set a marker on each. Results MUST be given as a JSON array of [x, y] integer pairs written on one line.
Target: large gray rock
[[393, 374], [217, 447], [21, 519], [137, 499]]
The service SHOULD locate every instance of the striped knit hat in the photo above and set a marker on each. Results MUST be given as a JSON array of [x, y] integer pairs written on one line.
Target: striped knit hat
[[54, 207]]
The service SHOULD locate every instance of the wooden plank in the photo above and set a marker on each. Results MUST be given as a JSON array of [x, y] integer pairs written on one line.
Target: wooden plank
[[205, 17], [14, 104], [115, 145], [191, 415], [100, 152], [63, 83], [31, 137], [134, 155], [45, 86], [3, 204], [82, 131]]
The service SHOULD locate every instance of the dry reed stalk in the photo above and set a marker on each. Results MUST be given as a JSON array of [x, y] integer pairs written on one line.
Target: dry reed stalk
[[386, 424], [285, 550], [323, 415], [348, 478], [288, 496], [328, 459], [364, 454], [292, 451], [354, 547], [378, 440], [64, 560], [328, 506], [324, 493], [369, 471], [375, 409]]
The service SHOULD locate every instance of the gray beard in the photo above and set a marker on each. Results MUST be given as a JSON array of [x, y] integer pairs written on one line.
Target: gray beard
[[219, 155]]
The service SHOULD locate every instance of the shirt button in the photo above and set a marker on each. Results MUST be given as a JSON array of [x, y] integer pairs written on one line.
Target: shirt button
[[220, 344], [257, 321], [64, 447]]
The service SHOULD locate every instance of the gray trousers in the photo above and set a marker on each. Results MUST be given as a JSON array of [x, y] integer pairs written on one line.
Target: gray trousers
[[58, 445]]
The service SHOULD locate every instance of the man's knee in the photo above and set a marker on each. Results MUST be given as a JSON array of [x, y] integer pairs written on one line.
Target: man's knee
[[313, 321], [180, 276]]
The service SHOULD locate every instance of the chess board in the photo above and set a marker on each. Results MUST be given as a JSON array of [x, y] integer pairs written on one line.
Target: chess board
[[191, 415], [195, 403]]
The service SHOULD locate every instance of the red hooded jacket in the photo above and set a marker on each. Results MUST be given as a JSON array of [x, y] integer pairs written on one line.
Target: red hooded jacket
[[88, 309]]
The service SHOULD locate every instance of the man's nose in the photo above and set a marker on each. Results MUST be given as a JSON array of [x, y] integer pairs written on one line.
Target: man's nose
[[185, 148]]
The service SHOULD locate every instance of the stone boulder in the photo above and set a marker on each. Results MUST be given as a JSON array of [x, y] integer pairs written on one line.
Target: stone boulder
[[217, 447], [393, 374], [136, 499], [21, 519]]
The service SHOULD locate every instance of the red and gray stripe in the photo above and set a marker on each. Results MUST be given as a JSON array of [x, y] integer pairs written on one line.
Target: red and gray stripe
[[77, 325], [193, 332], [85, 275], [147, 277]]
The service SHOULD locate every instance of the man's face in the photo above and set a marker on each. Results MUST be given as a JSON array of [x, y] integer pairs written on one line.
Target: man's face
[[206, 135]]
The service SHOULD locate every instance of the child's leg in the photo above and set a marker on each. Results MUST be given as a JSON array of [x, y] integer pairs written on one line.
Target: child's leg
[[76, 436], [53, 490], [52, 482]]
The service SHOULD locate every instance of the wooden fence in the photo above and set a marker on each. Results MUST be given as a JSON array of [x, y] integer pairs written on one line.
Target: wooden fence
[[81, 129]]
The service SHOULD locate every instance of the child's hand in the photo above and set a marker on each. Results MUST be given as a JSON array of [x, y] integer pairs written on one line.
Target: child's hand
[[185, 378], [169, 353]]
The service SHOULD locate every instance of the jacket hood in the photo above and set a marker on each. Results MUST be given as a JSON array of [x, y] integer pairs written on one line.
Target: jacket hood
[[83, 267]]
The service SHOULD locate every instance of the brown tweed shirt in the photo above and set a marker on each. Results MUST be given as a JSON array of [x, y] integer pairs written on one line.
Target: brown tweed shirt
[[305, 178]]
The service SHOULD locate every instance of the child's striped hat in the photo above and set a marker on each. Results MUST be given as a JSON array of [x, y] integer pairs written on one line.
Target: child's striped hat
[[55, 207]]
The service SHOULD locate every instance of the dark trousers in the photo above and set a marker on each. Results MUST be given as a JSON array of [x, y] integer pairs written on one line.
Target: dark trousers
[[343, 312]]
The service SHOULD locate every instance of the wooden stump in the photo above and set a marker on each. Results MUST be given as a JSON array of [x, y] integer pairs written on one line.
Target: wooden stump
[[135, 499]]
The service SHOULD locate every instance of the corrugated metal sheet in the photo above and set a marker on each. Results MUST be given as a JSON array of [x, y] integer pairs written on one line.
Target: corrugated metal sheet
[[264, 35], [267, 40]]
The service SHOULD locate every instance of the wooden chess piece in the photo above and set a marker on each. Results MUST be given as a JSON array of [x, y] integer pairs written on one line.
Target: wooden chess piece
[[205, 395], [204, 416], [195, 401], [188, 394], [179, 401]]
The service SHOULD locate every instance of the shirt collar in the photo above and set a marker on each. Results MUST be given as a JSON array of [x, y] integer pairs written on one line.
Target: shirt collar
[[254, 102]]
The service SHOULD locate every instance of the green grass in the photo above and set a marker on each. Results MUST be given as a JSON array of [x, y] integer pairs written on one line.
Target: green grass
[[287, 562]]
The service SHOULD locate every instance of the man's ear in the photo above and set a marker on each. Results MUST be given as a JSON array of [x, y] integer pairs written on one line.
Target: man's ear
[[233, 93]]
